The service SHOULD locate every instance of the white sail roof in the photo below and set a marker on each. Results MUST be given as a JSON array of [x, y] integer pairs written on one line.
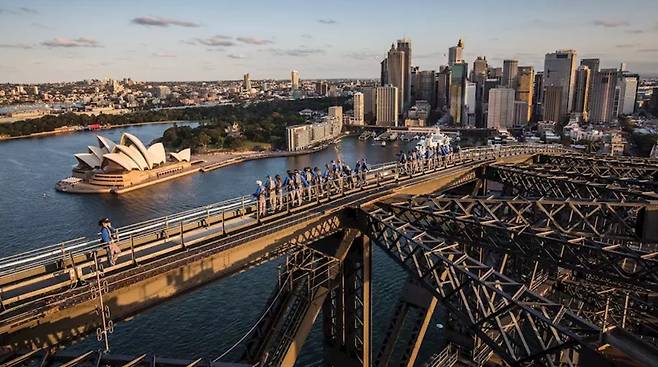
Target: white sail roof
[[130, 139], [120, 159], [89, 160], [105, 143], [98, 152], [157, 153], [132, 153], [182, 156]]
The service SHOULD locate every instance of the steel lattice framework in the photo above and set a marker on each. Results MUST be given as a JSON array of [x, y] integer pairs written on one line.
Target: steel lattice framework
[[621, 263], [518, 325], [604, 166], [550, 184], [590, 174]]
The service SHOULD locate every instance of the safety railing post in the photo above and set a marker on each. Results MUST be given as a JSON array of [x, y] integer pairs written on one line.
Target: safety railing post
[[223, 221], [182, 239], [132, 249]]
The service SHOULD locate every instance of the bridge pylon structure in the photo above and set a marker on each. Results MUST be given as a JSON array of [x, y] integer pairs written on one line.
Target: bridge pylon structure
[[517, 256]]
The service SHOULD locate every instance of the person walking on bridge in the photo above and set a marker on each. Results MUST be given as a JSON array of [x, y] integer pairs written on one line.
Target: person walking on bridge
[[279, 191], [260, 196], [108, 237], [271, 192]]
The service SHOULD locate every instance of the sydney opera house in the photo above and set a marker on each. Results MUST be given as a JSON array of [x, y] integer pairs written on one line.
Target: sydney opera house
[[112, 167]]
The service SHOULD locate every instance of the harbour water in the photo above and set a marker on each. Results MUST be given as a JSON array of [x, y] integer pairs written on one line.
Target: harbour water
[[208, 320]]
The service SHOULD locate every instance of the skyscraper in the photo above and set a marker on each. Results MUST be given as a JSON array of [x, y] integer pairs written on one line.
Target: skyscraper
[[425, 87], [469, 104], [520, 113], [560, 71], [627, 85], [396, 73], [501, 108], [369, 103], [455, 53], [603, 96], [294, 79], [525, 83], [480, 66], [457, 91], [552, 103], [359, 108], [442, 89], [594, 66], [387, 106], [246, 82], [538, 97], [510, 71], [335, 114], [384, 72], [581, 89], [404, 45]]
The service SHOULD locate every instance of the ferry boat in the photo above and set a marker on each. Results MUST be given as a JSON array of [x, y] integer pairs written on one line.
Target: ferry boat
[[435, 139], [365, 135]]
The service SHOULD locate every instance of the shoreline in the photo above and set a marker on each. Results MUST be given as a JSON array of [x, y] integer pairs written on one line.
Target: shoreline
[[211, 161], [110, 127]]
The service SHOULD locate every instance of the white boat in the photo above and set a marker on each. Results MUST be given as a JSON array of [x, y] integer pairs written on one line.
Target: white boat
[[383, 143], [393, 136], [435, 139]]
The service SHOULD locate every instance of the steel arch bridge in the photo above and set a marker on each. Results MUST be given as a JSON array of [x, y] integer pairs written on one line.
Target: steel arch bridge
[[529, 255]]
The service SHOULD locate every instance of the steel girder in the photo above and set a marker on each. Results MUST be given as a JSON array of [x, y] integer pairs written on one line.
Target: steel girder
[[589, 173], [531, 183], [605, 306], [603, 166], [636, 161], [613, 222], [518, 325], [619, 264]]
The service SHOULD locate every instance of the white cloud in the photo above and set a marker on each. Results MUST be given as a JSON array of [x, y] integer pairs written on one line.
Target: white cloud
[[253, 41], [68, 42], [216, 41], [162, 22]]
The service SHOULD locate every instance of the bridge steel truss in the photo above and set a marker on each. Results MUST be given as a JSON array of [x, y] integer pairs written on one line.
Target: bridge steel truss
[[480, 223], [518, 325], [533, 280], [644, 169], [532, 183]]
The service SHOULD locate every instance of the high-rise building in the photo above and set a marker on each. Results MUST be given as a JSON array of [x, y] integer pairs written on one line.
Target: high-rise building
[[35, 90], [500, 113], [335, 114], [552, 103], [359, 108], [396, 73], [593, 64], [387, 106], [294, 79], [538, 97], [424, 88], [525, 84], [442, 89], [510, 71], [457, 91], [246, 82], [627, 84], [369, 103], [469, 104], [480, 66], [495, 73], [603, 96], [521, 113], [404, 45], [321, 88], [581, 89], [560, 71], [455, 53], [384, 72]]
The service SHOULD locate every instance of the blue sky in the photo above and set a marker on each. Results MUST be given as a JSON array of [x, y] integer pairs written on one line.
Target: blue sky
[[43, 41]]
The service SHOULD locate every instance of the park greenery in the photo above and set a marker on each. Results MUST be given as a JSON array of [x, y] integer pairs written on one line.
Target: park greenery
[[262, 125]]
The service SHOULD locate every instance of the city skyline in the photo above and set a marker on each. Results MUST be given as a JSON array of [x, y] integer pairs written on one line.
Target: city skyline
[[166, 41]]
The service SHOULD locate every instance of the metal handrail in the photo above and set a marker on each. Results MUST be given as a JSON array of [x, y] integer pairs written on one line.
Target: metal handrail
[[59, 251]]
